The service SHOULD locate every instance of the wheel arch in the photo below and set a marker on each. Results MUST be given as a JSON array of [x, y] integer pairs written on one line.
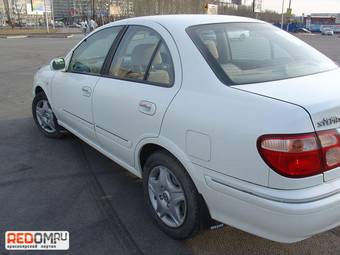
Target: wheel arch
[[150, 145], [38, 89]]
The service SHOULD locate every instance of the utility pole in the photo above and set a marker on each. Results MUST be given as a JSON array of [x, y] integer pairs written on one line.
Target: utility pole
[[52, 11], [282, 13], [46, 17], [290, 14], [93, 10]]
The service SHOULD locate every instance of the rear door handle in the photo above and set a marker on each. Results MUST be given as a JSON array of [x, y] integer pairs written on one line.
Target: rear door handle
[[147, 107], [87, 91]]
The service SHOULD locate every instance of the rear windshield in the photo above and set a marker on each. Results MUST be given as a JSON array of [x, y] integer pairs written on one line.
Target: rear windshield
[[243, 53]]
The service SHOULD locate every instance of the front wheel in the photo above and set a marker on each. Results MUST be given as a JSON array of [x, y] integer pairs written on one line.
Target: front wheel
[[171, 196], [45, 118]]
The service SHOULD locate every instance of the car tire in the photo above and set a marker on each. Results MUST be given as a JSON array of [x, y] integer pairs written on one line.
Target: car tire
[[44, 117], [179, 179]]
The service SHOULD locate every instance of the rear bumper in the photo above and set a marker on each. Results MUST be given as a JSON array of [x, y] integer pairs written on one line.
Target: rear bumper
[[280, 221]]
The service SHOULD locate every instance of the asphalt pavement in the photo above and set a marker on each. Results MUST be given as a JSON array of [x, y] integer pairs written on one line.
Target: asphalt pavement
[[48, 184]]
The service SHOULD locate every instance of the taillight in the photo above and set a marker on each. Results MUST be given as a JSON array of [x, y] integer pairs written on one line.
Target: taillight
[[301, 155], [330, 143], [292, 155]]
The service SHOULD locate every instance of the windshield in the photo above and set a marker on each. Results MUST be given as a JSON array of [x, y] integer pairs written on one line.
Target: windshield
[[243, 53]]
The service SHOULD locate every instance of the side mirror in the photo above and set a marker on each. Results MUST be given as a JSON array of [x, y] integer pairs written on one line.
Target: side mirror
[[57, 64]]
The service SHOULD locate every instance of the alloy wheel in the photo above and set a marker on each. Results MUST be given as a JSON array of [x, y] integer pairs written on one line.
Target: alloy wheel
[[167, 196], [45, 116]]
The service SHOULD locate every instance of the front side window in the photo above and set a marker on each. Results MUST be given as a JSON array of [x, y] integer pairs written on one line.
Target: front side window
[[142, 56], [243, 53], [90, 55]]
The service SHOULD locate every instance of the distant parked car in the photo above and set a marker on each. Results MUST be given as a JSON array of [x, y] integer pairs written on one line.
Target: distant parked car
[[327, 31], [248, 128], [30, 24], [59, 24], [303, 30], [20, 24], [74, 25]]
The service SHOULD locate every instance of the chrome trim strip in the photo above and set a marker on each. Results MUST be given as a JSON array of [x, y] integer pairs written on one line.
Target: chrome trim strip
[[78, 117], [99, 127]]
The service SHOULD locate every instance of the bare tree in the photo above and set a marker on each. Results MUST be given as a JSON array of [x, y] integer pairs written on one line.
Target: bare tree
[[152, 7], [8, 13], [18, 9]]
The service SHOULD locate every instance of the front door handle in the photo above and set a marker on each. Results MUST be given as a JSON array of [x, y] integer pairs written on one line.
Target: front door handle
[[147, 107], [87, 91]]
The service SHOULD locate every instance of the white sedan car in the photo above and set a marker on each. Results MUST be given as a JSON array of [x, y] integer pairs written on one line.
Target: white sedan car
[[219, 113], [327, 31]]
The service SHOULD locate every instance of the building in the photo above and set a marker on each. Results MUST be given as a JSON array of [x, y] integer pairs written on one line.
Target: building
[[317, 23], [336, 15], [320, 20], [126, 7], [19, 10], [70, 10], [2, 14], [2, 9]]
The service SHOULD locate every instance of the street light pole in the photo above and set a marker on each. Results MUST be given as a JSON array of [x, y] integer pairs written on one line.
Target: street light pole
[[282, 13]]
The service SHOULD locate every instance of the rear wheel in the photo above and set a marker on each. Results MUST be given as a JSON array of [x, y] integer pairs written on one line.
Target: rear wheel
[[171, 196], [45, 118]]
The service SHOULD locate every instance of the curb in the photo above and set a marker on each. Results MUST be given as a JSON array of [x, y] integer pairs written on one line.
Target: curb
[[15, 37], [37, 36], [56, 35]]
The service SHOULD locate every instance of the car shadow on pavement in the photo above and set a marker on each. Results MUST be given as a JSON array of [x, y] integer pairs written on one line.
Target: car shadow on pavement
[[49, 184]]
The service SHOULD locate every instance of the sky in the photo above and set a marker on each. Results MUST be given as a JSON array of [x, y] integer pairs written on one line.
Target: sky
[[302, 6]]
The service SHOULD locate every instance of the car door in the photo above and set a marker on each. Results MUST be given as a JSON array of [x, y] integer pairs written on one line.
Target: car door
[[72, 90], [141, 80]]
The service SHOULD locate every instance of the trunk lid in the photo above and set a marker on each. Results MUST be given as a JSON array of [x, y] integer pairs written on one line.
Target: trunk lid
[[319, 94]]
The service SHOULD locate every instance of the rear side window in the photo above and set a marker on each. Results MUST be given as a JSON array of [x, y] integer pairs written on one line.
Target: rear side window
[[90, 55], [143, 56], [243, 53], [161, 69]]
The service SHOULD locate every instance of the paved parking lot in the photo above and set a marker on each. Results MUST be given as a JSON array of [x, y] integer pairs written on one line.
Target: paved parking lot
[[329, 45], [66, 185]]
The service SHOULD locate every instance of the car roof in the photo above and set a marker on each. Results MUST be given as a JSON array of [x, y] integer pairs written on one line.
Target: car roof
[[186, 20]]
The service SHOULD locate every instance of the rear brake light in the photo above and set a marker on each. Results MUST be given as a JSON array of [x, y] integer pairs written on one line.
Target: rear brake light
[[291, 155], [301, 155]]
